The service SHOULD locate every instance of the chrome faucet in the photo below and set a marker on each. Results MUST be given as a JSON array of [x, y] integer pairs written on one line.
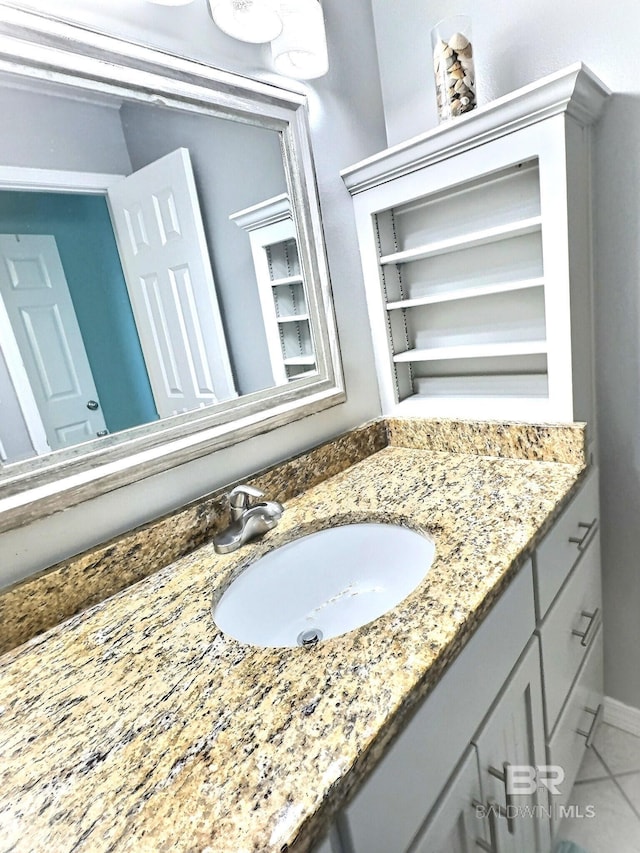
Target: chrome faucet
[[248, 520]]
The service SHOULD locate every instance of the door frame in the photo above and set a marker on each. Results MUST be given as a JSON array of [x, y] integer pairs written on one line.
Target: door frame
[[22, 178], [56, 180], [21, 385]]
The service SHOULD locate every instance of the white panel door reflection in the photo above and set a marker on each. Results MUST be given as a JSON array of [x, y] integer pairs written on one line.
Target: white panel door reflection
[[37, 302], [164, 254]]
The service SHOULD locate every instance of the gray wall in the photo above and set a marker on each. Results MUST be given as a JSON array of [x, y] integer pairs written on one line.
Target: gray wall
[[347, 125], [515, 44], [50, 132]]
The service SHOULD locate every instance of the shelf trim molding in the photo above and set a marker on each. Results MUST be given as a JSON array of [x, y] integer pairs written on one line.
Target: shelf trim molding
[[575, 91], [264, 213]]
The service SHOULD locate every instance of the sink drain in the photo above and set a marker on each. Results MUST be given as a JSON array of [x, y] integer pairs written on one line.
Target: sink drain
[[310, 638]]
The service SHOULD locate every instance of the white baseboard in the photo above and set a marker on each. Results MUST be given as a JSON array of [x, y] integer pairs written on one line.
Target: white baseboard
[[622, 716]]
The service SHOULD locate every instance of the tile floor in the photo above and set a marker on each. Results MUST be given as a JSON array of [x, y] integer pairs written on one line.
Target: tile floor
[[608, 781]]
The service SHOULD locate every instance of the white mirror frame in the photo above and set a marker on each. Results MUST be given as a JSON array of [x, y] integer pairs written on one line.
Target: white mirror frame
[[35, 47]]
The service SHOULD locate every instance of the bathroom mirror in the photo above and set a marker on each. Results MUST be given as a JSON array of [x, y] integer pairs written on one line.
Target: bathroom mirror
[[163, 283]]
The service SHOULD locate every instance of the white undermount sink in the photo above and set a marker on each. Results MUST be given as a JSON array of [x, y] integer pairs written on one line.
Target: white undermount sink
[[324, 584]]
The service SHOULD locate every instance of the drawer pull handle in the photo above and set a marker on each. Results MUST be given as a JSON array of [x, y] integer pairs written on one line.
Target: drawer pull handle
[[583, 541], [509, 811], [493, 810], [590, 735], [586, 636]]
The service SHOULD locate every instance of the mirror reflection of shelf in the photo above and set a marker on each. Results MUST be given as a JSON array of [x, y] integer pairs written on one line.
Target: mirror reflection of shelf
[[300, 359], [299, 371], [293, 318], [290, 279], [274, 247]]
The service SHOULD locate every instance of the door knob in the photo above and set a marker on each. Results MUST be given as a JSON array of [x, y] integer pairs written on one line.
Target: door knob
[[93, 405]]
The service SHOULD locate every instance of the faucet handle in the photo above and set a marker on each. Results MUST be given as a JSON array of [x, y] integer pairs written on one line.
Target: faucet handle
[[240, 498]]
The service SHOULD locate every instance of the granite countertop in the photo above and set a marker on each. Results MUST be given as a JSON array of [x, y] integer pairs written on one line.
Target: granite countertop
[[136, 725]]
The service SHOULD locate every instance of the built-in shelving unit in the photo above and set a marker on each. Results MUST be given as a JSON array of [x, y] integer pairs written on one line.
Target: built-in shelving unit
[[437, 251], [475, 247], [281, 288]]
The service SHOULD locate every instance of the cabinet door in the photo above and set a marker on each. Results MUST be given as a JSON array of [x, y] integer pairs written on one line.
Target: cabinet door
[[577, 725], [510, 749], [455, 826], [391, 806], [331, 844]]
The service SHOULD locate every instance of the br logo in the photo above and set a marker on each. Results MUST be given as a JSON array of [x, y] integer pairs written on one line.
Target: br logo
[[526, 779]]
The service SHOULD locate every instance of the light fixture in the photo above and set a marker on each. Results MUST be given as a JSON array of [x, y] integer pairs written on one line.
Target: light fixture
[[300, 51], [255, 21]]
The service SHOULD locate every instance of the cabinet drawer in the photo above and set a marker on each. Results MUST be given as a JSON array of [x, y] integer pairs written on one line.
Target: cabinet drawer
[[569, 629], [567, 746], [564, 544], [392, 804]]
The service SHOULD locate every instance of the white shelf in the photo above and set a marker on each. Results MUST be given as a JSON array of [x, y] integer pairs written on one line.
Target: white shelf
[[302, 373], [300, 359], [505, 386], [534, 409], [472, 351], [289, 279], [293, 318], [465, 241], [467, 293]]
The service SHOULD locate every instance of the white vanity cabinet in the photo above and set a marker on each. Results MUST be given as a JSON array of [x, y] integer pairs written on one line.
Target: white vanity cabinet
[[477, 808], [475, 247], [389, 811], [523, 693]]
